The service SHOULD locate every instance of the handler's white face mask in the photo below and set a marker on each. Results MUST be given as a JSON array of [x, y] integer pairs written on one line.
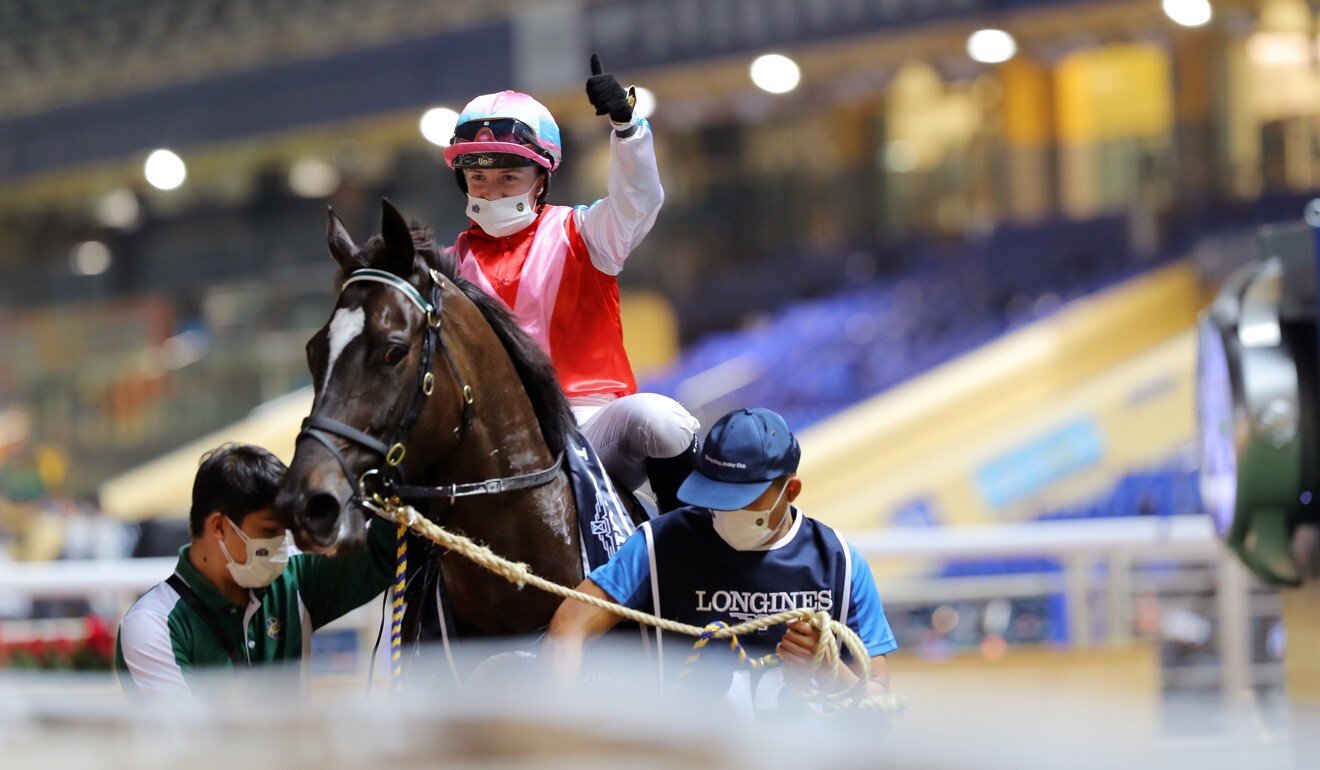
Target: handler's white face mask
[[505, 216], [266, 557], [746, 530]]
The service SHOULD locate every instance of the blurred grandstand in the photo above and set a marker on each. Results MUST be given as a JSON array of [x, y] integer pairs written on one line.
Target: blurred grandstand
[[900, 174], [936, 261]]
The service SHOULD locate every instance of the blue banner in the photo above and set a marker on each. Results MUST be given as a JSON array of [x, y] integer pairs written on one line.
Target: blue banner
[[1033, 466]]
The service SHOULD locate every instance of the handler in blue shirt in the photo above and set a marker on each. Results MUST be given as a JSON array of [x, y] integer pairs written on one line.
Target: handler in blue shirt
[[738, 551]]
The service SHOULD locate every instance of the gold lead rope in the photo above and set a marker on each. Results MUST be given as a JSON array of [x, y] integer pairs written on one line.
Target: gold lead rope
[[396, 610], [827, 651]]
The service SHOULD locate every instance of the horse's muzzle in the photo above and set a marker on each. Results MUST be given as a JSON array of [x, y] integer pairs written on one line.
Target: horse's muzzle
[[312, 502]]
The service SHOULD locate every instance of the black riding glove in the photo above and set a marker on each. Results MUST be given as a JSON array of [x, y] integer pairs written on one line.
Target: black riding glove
[[607, 96]]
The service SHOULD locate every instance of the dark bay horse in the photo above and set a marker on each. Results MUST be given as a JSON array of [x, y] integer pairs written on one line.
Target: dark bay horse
[[422, 378]]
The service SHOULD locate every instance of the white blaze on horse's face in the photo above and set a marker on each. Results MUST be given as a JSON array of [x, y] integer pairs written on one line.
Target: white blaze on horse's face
[[345, 327]]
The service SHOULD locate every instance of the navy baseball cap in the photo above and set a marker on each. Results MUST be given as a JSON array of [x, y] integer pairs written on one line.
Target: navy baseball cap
[[746, 450]]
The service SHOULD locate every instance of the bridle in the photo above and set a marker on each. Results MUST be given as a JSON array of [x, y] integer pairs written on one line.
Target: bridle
[[386, 481]]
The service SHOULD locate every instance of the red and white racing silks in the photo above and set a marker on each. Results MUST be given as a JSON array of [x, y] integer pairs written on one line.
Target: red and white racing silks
[[558, 275]]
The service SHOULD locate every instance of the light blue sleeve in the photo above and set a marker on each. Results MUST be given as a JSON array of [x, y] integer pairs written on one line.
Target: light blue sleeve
[[866, 615], [626, 577]]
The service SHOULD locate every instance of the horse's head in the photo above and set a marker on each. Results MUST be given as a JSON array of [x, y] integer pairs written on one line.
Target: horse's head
[[371, 368]]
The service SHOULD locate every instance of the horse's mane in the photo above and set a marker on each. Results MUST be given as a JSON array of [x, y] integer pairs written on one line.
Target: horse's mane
[[534, 367]]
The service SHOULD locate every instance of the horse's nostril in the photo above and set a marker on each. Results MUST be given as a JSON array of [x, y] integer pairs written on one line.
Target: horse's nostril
[[322, 510]]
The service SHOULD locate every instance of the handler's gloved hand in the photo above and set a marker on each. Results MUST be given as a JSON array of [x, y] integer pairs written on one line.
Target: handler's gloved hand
[[607, 96]]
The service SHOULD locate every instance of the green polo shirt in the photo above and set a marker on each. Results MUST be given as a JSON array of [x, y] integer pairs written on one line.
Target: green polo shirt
[[163, 642]]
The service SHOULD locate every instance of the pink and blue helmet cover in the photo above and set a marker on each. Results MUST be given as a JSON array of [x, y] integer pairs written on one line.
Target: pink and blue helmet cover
[[517, 106]]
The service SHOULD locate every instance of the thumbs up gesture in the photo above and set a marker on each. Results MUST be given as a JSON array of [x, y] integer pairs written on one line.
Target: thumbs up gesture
[[607, 96]]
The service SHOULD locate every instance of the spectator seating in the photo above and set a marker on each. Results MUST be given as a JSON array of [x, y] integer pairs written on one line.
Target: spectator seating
[[943, 302]]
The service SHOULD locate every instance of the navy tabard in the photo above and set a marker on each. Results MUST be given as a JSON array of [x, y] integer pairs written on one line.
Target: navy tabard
[[697, 578]]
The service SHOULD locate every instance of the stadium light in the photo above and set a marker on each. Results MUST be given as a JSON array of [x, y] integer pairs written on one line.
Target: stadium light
[[991, 46], [437, 125], [165, 170], [89, 258], [775, 73], [313, 178], [901, 156], [118, 209], [1189, 13], [645, 105]]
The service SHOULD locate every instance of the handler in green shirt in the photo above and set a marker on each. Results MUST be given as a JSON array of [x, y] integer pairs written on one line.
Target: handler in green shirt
[[237, 598]]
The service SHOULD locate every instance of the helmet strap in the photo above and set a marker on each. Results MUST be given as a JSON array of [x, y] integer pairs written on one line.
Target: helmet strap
[[545, 189]]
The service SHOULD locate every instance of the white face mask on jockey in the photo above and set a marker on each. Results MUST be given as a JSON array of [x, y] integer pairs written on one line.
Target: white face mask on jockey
[[266, 558], [505, 216], [746, 530]]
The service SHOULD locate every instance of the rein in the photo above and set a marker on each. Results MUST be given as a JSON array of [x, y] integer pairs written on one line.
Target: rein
[[488, 487]]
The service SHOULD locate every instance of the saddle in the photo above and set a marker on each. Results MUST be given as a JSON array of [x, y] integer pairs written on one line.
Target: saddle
[[604, 515]]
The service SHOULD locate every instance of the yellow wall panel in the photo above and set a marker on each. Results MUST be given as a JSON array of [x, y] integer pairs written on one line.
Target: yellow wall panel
[[1028, 103], [1114, 92], [650, 330]]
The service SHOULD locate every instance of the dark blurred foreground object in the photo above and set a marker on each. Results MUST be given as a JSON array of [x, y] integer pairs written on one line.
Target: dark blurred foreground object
[[1257, 374], [161, 537]]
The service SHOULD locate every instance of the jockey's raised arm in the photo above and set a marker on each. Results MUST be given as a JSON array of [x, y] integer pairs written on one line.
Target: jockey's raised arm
[[614, 225], [555, 267]]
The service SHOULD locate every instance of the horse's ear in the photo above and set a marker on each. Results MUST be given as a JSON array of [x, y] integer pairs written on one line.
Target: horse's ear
[[399, 251], [342, 248]]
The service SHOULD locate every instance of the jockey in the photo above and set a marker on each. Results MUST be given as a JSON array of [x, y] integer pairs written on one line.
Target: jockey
[[555, 268]]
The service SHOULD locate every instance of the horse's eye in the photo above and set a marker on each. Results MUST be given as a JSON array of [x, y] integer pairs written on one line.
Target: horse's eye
[[394, 354]]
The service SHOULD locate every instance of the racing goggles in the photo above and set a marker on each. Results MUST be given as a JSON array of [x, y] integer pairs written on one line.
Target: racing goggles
[[498, 130]]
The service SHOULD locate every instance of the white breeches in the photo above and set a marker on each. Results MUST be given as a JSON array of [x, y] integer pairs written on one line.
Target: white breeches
[[626, 431]]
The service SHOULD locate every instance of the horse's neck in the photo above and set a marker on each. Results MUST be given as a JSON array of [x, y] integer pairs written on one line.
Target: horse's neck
[[536, 526], [501, 442], [504, 436]]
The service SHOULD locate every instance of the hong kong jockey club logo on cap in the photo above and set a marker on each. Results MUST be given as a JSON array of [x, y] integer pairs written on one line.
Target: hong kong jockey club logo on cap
[[723, 463]]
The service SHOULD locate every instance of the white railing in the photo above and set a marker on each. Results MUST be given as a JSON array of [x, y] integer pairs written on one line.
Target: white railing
[[83, 579], [1080, 546], [1180, 537]]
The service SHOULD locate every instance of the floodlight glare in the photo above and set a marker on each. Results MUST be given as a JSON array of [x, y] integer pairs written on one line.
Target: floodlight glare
[[119, 209], [775, 73], [437, 125], [901, 156], [89, 258], [645, 105], [312, 177], [991, 46], [1189, 13], [165, 170]]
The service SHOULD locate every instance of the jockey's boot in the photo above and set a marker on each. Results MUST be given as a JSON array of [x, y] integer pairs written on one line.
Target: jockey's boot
[[668, 473]]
